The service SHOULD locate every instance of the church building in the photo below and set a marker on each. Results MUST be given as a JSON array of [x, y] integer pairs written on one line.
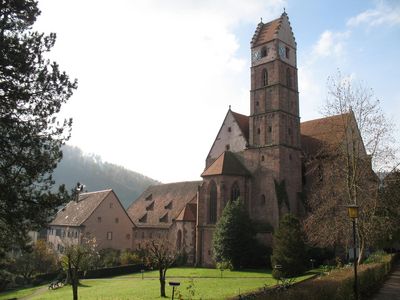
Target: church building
[[252, 157]]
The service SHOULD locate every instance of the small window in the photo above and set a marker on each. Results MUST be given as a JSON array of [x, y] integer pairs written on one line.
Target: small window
[[265, 77], [128, 236], [264, 51], [116, 220], [269, 129], [99, 219], [262, 158], [76, 234], [257, 103], [227, 147], [287, 50], [258, 130], [150, 206], [262, 202], [229, 129], [109, 235], [168, 206]]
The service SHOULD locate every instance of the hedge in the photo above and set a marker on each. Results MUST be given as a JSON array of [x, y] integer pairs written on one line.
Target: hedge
[[113, 271], [336, 285]]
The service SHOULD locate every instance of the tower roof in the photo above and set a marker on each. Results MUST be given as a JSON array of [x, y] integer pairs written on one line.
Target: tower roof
[[226, 164], [270, 31]]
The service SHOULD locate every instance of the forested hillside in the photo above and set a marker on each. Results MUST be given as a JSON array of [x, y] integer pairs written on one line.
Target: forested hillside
[[95, 174]]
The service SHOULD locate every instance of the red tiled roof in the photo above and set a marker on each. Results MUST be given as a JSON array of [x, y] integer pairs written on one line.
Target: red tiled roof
[[266, 32], [243, 122], [226, 164], [328, 131], [164, 203], [75, 213]]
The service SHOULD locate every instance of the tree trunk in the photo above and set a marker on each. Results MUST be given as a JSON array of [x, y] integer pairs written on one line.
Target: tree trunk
[[361, 251], [162, 283], [75, 290]]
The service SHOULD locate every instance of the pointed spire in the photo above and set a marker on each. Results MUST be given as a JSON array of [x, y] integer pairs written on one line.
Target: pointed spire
[[229, 107]]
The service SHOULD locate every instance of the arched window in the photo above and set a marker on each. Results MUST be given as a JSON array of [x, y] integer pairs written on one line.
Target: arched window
[[263, 201], [265, 77], [264, 52], [212, 204], [179, 240], [235, 191], [288, 77]]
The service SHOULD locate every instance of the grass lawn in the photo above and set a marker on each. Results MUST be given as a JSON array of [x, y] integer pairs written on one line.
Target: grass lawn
[[18, 293], [208, 284]]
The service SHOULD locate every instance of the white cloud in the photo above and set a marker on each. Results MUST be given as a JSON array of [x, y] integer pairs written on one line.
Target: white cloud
[[331, 44], [155, 77], [384, 13]]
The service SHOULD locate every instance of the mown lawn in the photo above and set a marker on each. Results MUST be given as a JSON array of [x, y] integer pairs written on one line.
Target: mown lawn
[[207, 283]]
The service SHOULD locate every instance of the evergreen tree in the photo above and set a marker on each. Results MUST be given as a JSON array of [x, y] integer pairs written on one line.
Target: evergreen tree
[[289, 249], [32, 90], [234, 235]]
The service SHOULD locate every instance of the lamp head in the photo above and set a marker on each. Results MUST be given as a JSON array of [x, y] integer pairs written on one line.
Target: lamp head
[[352, 211]]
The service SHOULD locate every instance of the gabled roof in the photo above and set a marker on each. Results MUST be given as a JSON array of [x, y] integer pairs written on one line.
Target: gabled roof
[[326, 132], [243, 122], [76, 213], [269, 31], [226, 164], [188, 213], [167, 201]]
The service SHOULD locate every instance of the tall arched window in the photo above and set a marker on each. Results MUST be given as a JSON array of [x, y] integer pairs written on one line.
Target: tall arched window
[[212, 204], [265, 77], [288, 77], [179, 240], [235, 191]]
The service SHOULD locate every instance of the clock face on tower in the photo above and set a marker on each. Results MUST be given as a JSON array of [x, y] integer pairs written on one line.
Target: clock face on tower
[[256, 55], [282, 52]]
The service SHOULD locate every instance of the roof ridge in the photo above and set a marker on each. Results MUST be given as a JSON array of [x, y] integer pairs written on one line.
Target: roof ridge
[[95, 192]]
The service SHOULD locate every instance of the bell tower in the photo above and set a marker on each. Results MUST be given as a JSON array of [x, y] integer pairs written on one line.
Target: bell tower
[[274, 122], [274, 101]]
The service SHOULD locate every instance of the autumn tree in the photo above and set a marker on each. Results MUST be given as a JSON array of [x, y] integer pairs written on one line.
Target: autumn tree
[[32, 91], [357, 140], [234, 235], [160, 255], [77, 258]]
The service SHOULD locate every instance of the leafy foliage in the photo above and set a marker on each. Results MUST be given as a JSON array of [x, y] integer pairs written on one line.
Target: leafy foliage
[[234, 235], [32, 90], [289, 249]]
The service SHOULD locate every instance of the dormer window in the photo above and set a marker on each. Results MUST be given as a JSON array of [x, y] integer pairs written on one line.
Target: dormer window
[[150, 206], [143, 219], [227, 147], [149, 197], [164, 218], [229, 129], [168, 206]]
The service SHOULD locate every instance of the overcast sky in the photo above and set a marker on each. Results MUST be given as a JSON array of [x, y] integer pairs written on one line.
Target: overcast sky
[[156, 78]]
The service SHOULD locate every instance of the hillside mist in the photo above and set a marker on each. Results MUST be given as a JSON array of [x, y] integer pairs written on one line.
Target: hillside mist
[[96, 175]]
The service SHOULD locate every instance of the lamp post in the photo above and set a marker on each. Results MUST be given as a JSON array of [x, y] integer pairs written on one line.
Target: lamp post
[[353, 214]]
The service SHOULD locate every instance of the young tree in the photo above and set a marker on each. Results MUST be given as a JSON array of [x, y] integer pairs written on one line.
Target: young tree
[[32, 90], [77, 258], [289, 249], [160, 255], [359, 140], [234, 235]]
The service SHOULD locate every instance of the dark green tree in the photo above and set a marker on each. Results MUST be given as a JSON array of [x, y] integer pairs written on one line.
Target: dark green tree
[[32, 90], [234, 236], [289, 249]]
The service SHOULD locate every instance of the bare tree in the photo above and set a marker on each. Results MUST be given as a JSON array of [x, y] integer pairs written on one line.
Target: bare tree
[[160, 254], [77, 258], [357, 139]]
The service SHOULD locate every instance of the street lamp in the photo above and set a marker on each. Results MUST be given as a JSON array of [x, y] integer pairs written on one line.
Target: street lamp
[[353, 214]]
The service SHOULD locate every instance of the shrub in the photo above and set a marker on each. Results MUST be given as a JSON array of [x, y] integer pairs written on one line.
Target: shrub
[[289, 250], [129, 257], [109, 257]]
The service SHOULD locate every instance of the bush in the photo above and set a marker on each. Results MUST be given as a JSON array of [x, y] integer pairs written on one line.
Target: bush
[[289, 250], [109, 257], [114, 271], [129, 257], [376, 257]]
